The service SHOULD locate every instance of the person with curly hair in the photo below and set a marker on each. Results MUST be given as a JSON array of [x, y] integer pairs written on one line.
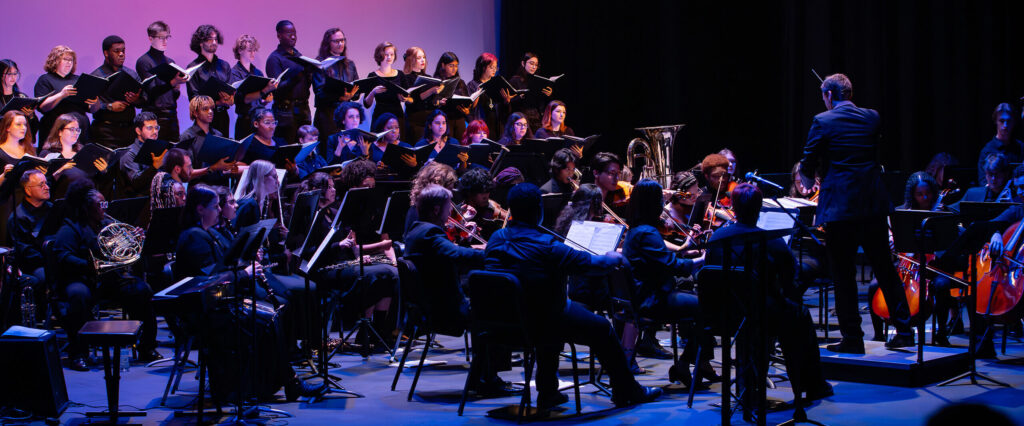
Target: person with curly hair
[[205, 41], [59, 80]]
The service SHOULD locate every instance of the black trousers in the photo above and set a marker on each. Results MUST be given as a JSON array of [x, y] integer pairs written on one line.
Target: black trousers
[[132, 293], [872, 235], [578, 325], [168, 122], [290, 116], [112, 134]]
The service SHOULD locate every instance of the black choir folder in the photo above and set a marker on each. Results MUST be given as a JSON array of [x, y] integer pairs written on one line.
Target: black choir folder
[[216, 148], [168, 70], [87, 156], [495, 85], [450, 154], [537, 83], [150, 148], [334, 88], [212, 87], [393, 156], [255, 83], [294, 152], [121, 83], [90, 87], [16, 104]]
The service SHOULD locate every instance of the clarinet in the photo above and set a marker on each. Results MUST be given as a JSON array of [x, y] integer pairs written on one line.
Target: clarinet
[[28, 307]]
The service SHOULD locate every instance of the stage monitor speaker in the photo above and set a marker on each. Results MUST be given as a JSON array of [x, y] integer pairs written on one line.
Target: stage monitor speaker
[[31, 377]]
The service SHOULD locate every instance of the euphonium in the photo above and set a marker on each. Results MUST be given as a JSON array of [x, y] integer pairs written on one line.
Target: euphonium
[[120, 245]]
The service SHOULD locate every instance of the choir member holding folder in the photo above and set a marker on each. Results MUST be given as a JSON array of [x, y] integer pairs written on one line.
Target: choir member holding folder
[[553, 123], [140, 162], [436, 133], [516, 128], [213, 75], [489, 109], [9, 91], [15, 143], [263, 144], [162, 94], [347, 143], [388, 123], [113, 115], [448, 71], [245, 99], [291, 98], [380, 97], [60, 80], [333, 45], [416, 111], [530, 104], [216, 171], [62, 143]]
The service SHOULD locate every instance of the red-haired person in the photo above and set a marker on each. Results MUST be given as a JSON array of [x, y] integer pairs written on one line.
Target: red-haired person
[[553, 122]]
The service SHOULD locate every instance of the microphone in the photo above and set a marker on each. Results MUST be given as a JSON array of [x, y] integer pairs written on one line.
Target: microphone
[[755, 178]]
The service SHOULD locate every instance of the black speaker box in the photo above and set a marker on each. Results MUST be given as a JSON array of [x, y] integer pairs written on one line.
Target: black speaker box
[[31, 377]]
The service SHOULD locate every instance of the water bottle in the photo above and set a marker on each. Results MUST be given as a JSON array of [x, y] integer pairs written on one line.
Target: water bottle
[[126, 358]]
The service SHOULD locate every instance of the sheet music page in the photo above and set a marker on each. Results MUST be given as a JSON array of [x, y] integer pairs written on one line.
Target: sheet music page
[[598, 237]]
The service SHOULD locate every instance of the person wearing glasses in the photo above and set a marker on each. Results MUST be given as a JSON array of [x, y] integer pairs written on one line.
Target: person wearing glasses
[[112, 117], [205, 41], [25, 225], [516, 128], [333, 45], [138, 177], [59, 81], [79, 284], [63, 143], [9, 76], [264, 141], [162, 96]]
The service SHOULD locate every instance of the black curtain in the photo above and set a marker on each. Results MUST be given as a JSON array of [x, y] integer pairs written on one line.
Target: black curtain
[[739, 75]]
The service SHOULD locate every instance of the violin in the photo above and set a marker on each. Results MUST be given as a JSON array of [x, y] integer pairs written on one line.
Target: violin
[[457, 228]]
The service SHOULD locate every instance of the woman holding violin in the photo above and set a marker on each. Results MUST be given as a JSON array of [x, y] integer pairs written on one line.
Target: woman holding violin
[[715, 171], [475, 188], [678, 213], [615, 193]]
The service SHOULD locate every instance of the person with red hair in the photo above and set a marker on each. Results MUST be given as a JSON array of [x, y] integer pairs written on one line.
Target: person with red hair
[[476, 132], [553, 122], [490, 111]]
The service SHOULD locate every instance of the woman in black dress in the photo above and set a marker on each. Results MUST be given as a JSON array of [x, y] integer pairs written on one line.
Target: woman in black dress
[[334, 44], [59, 80], [447, 69], [491, 111], [416, 111], [553, 123], [9, 76], [63, 143], [386, 101], [531, 104]]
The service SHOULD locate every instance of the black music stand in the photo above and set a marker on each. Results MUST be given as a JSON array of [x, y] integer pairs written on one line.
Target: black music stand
[[128, 210], [972, 212], [393, 218], [922, 232], [304, 213], [362, 210], [553, 205], [533, 165]]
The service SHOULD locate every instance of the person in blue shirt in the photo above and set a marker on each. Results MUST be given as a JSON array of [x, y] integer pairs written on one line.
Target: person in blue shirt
[[542, 263]]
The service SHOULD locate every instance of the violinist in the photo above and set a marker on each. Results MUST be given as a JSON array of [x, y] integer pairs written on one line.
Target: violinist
[[678, 213], [796, 188], [715, 172], [475, 188], [853, 206], [433, 172], [940, 167], [562, 167], [607, 168]]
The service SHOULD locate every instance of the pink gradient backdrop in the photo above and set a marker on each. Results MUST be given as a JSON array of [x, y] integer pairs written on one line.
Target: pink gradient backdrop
[[32, 28]]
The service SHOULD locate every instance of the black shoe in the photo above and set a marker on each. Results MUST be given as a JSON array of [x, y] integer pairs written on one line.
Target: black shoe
[[677, 374], [986, 350], [822, 392], [900, 341], [297, 388], [652, 349], [878, 338], [78, 363], [549, 401], [149, 356], [497, 388], [636, 369], [708, 372], [942, 341], [847, 347], [639, 395]]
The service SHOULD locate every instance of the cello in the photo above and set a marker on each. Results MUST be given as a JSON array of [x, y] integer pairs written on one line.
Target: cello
[[1000, 288]]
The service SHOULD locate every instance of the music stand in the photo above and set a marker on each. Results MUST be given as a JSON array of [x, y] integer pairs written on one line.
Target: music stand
[[970, 214], [922, 232], [162, 235], [128, 210], [553, 205], [532, 165], [393, 220], [303, 211]]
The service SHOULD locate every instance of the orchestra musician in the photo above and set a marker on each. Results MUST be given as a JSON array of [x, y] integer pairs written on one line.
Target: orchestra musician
[[541, 264], [431, 173], [80, 285], [996, 173], [1005, 118], [607, 169], [475, 188], [562, 167], [853, 207], [26, 232]]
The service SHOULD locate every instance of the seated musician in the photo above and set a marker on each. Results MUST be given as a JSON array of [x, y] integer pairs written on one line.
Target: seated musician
[[1005, 118], [138, 177], [715, 171], [431, 173], [201, 248], [996, 172], [955, 258], [797, 190], [79, 284], [655, 268], [309, 134], [166, 192], [680, 206], [541, 263], [475, 188], [438, 262], [26, 232], [784, 316], [607, 169], [561, 168]]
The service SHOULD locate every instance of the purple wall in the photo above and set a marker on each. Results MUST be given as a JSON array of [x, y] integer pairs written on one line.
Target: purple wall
[[32, 28]]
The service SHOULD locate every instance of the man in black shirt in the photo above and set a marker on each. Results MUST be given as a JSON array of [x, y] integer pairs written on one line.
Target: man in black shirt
[[561, 167], [201, 110], [112, 118], [291, 98], [204, 42], [136, 178], [1005, 119], [161, 96], [26, 231]]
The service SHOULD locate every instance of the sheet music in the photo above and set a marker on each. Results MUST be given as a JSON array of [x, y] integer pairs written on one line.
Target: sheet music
[[788, 203], [597, 237], [319, 250]]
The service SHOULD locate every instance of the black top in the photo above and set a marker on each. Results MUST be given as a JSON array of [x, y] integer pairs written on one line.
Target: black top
[[780, 265], [417, 105], [454, 114], [139, 177], [344, 70], [543, 133], [654, 266], [437, 260], [844, 142], [103, 114], [193, 137], [530, 101], [239, 73], [24, 228], [73, 246], [295, 85], [161, 95], [385, 102], [1014, 152], [198, 249], [49, 83], [217, 68], [59, 187], [553, 186], [258, 151]]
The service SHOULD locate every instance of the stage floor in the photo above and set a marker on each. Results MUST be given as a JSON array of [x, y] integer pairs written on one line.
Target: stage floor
[[439, 388]]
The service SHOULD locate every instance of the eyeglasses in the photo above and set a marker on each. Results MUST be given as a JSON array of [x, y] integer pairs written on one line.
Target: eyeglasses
[[153, 128], [74, 129], [67, 59], [340, 40], [520, 125], [163, 38], [269, 123], [12, 73], [104, 204]]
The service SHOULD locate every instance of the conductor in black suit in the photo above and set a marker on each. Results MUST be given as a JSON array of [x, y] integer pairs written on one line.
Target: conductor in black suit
[[853, 205]]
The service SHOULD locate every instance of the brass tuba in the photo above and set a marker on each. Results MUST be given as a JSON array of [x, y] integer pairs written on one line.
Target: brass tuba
[[655, 153], [120, 245]]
